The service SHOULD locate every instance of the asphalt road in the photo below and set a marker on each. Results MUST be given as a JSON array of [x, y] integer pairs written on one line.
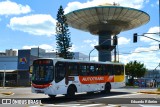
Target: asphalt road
[[122, 97]]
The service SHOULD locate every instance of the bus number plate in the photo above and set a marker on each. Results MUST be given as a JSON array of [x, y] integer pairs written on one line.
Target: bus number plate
[[39, 91]]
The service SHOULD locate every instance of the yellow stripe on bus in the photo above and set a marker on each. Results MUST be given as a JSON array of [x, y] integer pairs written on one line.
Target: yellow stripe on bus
[[118, 78]]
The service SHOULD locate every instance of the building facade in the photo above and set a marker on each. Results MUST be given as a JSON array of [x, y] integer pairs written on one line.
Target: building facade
[[16, 68], [11, 52]]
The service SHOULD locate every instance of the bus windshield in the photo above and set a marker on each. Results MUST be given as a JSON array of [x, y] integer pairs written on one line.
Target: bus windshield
[[43, 71]]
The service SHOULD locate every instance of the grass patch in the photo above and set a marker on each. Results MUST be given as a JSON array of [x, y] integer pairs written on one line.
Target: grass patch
[[7, 93], [150, 92]]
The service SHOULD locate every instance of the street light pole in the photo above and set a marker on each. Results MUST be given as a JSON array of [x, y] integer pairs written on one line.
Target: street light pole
[[38, 51], [90, 53], [99, 44], [4, 75]]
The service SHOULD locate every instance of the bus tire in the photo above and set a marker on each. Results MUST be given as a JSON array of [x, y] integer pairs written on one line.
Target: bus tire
[[107, 88], [52, 96], [90, 93], [71, 91]]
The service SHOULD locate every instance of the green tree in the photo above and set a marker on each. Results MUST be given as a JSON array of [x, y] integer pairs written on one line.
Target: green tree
[[135, 69], [63, 36]]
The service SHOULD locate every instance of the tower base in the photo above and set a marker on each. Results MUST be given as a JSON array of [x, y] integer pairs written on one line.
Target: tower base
[[104, 46]]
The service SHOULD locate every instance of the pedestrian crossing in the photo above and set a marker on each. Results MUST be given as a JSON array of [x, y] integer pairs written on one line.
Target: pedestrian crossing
[[74, 105]]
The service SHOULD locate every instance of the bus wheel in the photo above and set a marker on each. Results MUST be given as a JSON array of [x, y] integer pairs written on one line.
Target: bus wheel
[[71, 92], [52, 96], [90, 93], [107, 88]]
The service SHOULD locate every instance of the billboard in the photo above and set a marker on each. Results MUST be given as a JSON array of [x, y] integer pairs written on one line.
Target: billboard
[[23, 59]]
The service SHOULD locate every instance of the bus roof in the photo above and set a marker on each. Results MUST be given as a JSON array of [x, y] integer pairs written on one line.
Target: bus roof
[[80, 61]]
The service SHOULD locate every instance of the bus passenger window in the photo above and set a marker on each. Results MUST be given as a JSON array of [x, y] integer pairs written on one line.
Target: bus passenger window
[[122, 69], [60, 71], [98, 70], [92, 70], [110, 69], [101, 70], [104, 70], [72, 69], [117, 70], [83, 70]]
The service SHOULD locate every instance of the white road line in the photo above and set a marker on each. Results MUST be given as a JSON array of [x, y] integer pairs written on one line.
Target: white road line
[[93, 105], [120, 95], [149, 105]]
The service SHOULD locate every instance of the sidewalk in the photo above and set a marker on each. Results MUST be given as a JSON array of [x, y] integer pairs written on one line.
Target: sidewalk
[[5, 91], [149, 90]]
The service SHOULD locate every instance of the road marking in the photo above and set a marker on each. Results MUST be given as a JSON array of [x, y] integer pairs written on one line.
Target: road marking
[[74, 105], [120, 95], [148, 105]]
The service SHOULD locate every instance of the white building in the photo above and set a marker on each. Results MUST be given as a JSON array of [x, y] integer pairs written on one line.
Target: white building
[[37, 51], [11, 52]]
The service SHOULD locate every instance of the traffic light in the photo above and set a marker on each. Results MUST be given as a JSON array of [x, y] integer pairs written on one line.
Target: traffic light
[[159, 46], [135, 37], [115, 41]]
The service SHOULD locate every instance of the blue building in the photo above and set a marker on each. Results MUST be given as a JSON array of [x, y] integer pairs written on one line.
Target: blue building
[[16, 68]]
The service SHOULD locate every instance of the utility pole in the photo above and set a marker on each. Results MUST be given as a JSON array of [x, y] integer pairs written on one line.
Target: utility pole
[[4, 76], [115, 42], [38, 51]]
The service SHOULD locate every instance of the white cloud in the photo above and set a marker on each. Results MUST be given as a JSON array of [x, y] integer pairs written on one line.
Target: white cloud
[[92, 43], [94, 59], [73, 48], [157, 2], [151, 58], [47, 47], [12, 8], [123, 41], [152, 5], [39, 24], [29, 47], [138, 4], [146, 49], [147, 1], [87, 41], [155, 29]]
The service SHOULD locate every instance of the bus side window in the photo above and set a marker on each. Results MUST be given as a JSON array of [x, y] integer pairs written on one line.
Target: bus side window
[[101, 70], [110, 69], [83, 70], [117, 69], [98, 69], [92, 70], [60, 69], [122, 69], [72, 69]]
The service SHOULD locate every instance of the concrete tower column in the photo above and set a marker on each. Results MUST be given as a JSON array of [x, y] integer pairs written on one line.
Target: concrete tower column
[[105, 40]]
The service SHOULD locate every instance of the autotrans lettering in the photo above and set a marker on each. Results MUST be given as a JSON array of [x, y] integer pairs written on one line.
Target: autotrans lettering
[[95, 79]]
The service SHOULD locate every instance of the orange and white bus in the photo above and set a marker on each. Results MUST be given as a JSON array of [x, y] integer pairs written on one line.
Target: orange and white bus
[[67, 77]]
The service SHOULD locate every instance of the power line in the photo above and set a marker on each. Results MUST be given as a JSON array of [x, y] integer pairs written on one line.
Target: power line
[[135, 52], [140, 51]]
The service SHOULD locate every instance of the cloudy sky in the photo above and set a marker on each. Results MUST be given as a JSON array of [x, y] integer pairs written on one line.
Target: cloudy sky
[[31, 23]]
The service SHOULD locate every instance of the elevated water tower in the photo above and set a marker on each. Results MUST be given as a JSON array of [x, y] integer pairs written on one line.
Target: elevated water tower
[[106, 20]]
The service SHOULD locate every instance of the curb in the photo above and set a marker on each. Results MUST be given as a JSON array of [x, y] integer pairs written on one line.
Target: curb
[[149, 92], [7, 93]]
